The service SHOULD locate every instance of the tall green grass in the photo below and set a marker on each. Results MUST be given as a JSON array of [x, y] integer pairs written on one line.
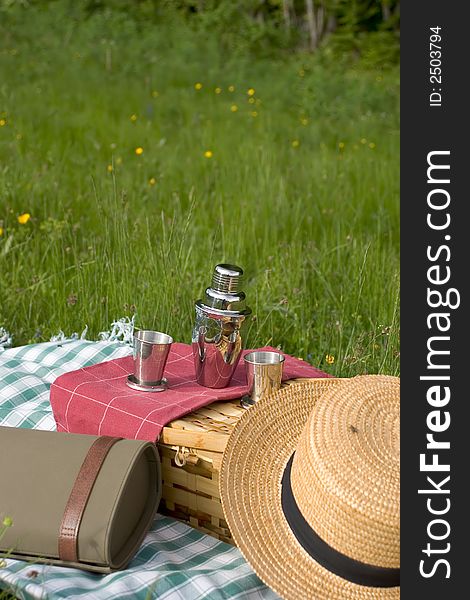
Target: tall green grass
[[301, 188]]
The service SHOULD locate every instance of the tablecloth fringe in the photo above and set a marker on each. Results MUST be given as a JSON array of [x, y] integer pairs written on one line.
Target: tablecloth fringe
[[5, 339], [121, 330]]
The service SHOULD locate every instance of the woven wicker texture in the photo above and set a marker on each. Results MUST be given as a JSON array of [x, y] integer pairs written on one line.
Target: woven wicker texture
[[218, 418], [345, 478], [191, 451]]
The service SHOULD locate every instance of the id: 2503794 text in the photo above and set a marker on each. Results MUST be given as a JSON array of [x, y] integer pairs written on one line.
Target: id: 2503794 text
[[435, 66]]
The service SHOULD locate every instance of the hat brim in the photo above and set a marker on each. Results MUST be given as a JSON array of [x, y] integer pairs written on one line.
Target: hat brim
[[250, 486]]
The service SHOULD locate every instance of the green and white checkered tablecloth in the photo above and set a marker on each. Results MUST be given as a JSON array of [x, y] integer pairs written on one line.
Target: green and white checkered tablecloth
[[175, 562]]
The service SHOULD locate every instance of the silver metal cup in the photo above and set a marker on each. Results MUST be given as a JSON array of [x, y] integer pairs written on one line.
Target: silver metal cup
[[263, 374], [151, 350]]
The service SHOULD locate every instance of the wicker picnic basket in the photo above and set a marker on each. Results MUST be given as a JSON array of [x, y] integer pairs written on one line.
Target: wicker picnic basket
[[191, 451]]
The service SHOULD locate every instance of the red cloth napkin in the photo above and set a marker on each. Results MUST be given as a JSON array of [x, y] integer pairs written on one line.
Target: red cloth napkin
[[97, 401]]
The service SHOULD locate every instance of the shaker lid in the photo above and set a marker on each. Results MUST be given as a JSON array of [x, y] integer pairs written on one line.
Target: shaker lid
[[225, 293], [227, 278]]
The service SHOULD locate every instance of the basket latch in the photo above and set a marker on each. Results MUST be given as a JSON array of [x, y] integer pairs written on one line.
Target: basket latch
[[185, 456]]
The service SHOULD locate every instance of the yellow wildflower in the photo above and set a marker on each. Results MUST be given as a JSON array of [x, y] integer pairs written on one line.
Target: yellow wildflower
[[198, 86], [251, 100], [152, 181], [251, 92], [7, 522], [330, 359], [234, 108], [208, 154], [133, 118], [301, 73], [110, 168], [231, 88], [155, 94], [24, 218], [19, 136], [3, 122], [139, 151], [341, 145], [295, 143], [118, 160], [372, 145], [1, 231], [304, 121], [363, 141], [254, 113], [218, 90]]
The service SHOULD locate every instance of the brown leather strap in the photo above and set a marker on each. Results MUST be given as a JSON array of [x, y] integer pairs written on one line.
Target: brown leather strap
[[73, 513]]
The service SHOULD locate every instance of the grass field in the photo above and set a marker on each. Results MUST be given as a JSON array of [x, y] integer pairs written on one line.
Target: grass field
[[137, 183]]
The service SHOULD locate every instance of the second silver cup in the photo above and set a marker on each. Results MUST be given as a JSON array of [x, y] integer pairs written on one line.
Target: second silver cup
[[151, 350], [263, 374]]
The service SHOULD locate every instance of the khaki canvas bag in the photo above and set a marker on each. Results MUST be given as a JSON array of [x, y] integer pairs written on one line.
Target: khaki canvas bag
[[76, 500]]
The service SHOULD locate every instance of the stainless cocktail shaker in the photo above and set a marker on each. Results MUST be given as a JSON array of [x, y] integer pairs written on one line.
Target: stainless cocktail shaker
[[217, 341]]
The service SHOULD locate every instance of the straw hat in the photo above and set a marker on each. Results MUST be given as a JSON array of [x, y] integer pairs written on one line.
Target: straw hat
[[310, 488]]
